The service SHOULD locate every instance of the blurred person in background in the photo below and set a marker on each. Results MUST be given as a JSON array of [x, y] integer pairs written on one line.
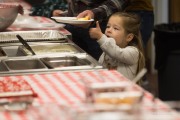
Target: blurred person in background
[[144, 9], [46, 7]]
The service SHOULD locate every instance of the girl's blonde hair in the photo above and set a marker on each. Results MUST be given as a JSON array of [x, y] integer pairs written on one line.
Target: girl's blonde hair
[[131, 24]]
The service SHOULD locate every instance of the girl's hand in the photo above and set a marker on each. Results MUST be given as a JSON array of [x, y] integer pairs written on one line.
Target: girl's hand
[[96, 33]]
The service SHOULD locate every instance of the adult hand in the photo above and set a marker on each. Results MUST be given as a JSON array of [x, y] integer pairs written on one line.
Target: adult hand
[[83, 14], [20, 9], [57, 13], [86, 13], [96, 33]]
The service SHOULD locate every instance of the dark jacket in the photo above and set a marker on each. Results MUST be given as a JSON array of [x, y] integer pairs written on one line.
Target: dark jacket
[[46, 8], [101, 8]]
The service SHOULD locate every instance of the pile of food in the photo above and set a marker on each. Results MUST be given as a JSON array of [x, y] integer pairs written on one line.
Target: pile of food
[[84, 18]]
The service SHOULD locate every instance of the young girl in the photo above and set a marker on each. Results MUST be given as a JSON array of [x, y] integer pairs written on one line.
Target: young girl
[[121, 44]]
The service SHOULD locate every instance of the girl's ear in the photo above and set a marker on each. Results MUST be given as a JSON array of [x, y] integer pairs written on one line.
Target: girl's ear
[[130, 36]]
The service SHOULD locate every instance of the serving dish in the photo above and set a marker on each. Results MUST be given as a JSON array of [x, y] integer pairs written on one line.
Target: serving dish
[[24, 64], [53, 48], [49, 57], [71, 62], [66, 61], [8, 14], [13, 51], [36, 35], [44, 64]]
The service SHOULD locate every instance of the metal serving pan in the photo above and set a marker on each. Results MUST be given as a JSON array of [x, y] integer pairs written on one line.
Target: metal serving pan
[[71, 62], [13, 51], [24, 64], [42, 49], [66, 61], [33, 36], [42, 64], [53, 49]]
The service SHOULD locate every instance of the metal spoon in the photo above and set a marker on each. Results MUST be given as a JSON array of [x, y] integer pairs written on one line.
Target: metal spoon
[[26, 45]]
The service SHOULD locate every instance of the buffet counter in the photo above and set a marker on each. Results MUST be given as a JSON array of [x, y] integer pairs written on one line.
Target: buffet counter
[[67, 89]]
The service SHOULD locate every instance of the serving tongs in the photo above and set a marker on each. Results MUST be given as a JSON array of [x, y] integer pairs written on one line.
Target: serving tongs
[[25, 44]]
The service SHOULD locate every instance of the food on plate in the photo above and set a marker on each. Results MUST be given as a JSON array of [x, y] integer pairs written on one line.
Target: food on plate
[[84, 18]]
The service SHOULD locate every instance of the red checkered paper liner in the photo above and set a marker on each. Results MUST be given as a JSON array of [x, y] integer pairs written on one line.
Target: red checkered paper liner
[[68, 88], [15, 88]]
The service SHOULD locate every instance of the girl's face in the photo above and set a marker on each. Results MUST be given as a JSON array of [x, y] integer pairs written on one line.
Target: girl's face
[[116, 30]]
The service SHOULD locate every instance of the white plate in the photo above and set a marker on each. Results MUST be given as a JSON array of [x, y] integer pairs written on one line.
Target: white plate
[[71, 20]]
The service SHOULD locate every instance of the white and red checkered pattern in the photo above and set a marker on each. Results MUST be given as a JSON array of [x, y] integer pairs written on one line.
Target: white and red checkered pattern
[[68, 88], [39, 19]]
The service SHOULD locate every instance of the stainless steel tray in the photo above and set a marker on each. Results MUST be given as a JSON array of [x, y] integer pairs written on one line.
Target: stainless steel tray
[[71, 62], [38, 35], [19, 61], [24, 64], [42, 49], [60, 48], [42, 64], [65, 61], [13, 51]]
